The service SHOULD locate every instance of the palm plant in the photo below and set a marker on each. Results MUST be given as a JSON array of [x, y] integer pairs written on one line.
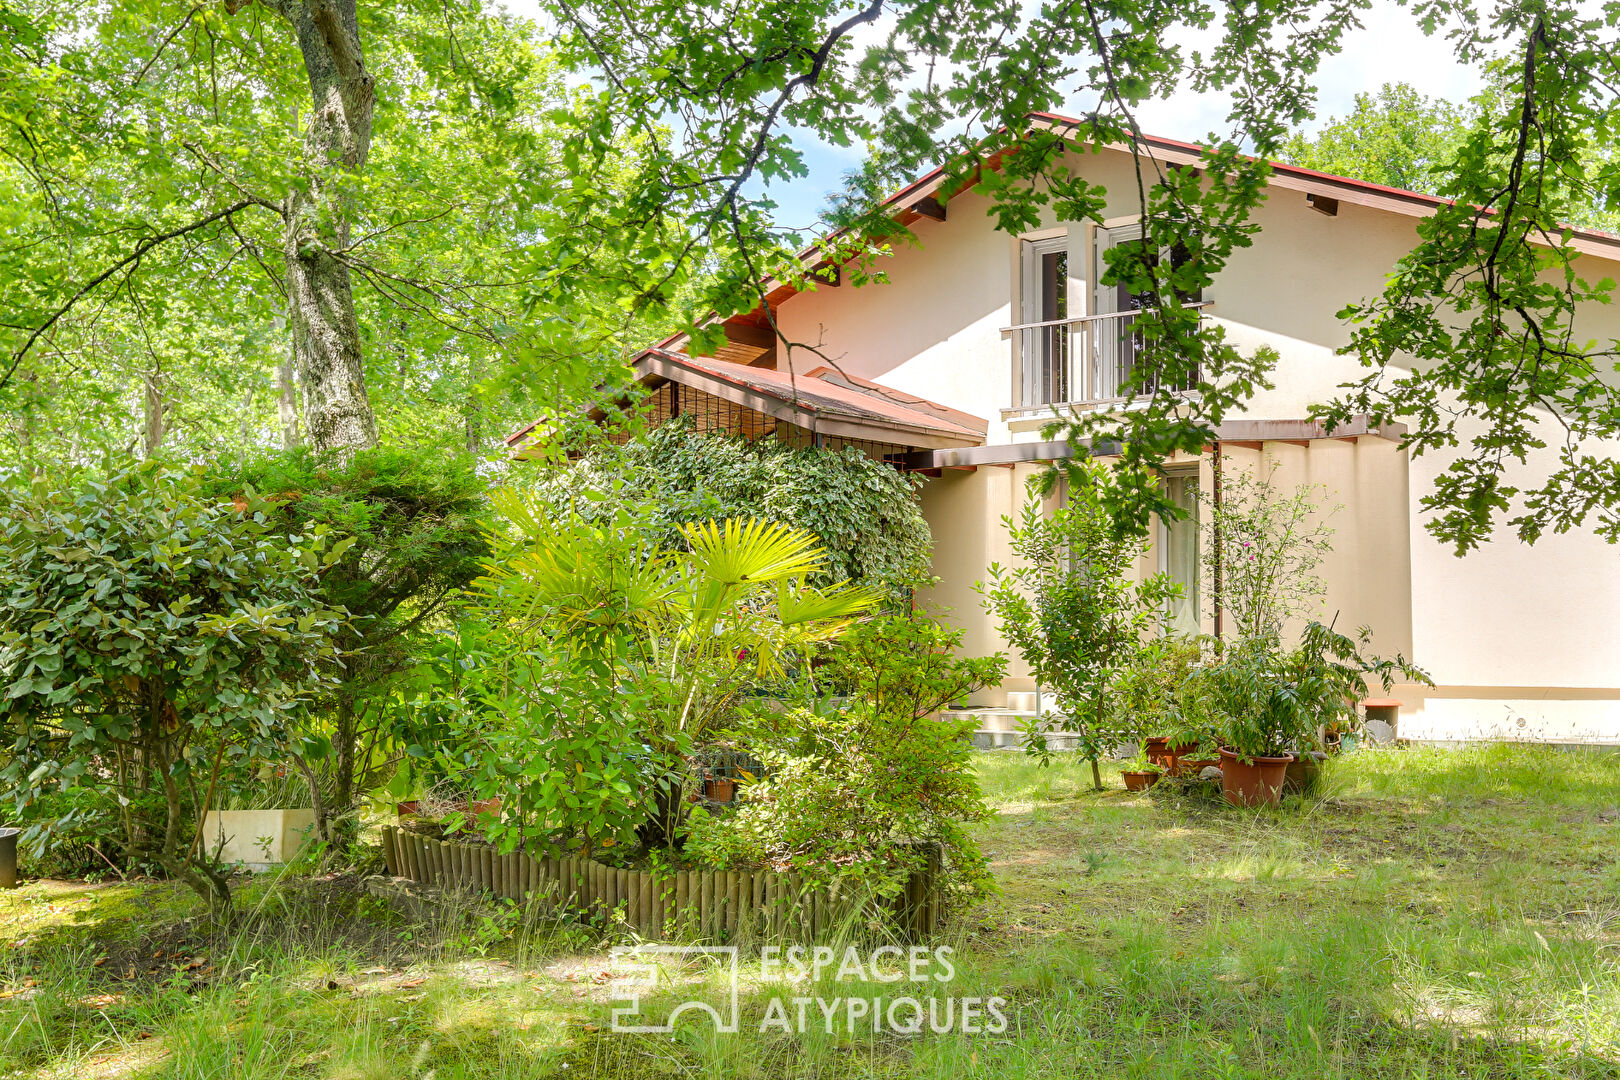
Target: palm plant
[[690, 630]]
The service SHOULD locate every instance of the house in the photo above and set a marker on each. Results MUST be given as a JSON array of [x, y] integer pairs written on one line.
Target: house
[[954, 365]]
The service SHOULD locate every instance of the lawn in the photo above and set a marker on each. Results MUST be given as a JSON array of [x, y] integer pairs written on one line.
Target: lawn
[[1430, 913]]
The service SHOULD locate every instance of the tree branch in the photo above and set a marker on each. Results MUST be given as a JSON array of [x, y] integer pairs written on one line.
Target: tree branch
[[133, 257]]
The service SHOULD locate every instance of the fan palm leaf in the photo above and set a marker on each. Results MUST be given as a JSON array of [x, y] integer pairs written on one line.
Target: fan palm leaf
[[798, 604], [740, 552]]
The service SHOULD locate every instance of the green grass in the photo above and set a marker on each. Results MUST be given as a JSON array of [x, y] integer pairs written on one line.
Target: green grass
[[1429, 913]]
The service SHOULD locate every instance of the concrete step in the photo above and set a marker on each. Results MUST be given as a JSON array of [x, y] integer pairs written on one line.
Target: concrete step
[[1024, 700], [1000, 719], [992, 719], [1012, 740]]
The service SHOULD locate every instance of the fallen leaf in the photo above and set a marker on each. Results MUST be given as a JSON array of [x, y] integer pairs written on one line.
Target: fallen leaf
[[408, 983], [99, 961]]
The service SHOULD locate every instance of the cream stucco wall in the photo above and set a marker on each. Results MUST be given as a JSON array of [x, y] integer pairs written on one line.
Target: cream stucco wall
[[1523, 641]]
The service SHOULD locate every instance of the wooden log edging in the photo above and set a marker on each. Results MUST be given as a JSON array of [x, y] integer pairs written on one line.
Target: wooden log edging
[[712, 904]]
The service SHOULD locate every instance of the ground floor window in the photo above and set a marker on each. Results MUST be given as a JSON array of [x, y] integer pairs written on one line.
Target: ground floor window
[[1178, 549]]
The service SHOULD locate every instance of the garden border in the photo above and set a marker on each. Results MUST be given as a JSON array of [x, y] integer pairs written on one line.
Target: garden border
[[712, 904]]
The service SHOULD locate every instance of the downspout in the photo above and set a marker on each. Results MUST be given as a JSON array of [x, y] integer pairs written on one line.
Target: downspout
[[1215, 584]]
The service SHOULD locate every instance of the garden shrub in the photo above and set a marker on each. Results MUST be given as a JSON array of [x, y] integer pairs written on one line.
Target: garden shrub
[[552, 734], [1264, 545], [418, 528], [680, 634], [1072, 608], [1267, 701], [147, 634], [864, 513], [1148, 695], [853, 795]]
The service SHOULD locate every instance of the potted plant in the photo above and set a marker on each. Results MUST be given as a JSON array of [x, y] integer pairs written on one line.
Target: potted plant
[[1252, 779], [1156, 748], [719, 789], [1304, 772], [1147, 696], [1141, 773], [1258, 717], [1192, 752]]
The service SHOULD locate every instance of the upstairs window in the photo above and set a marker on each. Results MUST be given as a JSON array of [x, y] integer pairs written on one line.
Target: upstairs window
[[1045, 342]]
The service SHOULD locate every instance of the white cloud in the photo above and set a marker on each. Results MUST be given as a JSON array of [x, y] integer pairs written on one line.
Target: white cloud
[[1389, 47]]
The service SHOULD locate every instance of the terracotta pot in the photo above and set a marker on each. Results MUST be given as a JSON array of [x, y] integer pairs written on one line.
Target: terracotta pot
[[1177, 753], [407, 807], [1157, 750], [719, 789], [1254, 784], [1140, 781], [1302, 775]]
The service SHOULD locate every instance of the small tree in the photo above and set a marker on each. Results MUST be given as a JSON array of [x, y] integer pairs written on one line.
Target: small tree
[[1261, 548], [1070, 607], [146, 635], [419, 540]]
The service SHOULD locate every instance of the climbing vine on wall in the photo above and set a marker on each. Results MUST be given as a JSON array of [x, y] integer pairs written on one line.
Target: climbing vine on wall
[[864, 512]]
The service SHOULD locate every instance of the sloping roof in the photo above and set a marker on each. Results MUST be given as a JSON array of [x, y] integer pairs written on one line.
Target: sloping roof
[[927, 188], [821, 400], [1283, 175], [834, 400]]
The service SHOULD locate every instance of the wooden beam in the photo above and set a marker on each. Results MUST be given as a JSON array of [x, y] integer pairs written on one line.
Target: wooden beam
[[826, 273], [1322, 204], [929, 207]]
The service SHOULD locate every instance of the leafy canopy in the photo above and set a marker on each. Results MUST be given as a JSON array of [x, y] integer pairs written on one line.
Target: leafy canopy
[[1478, 322]]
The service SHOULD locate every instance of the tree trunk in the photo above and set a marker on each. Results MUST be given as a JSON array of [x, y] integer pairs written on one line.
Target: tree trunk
[[287, 392], [152, 402], [175, 851], [474, 408], [320, 308]]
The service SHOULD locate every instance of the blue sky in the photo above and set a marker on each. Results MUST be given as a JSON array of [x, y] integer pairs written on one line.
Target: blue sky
[[1388, 48]]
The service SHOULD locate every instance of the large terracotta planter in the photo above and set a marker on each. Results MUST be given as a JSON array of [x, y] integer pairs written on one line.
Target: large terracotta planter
[[1157, 750], [1256, 783], [1303, 774]]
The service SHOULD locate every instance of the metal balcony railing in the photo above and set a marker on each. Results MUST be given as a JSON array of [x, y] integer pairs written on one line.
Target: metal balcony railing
[[1086, 359]]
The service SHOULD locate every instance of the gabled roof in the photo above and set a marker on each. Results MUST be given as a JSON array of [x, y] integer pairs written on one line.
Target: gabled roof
[[909, 202], [822, 400], [825, 401]]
